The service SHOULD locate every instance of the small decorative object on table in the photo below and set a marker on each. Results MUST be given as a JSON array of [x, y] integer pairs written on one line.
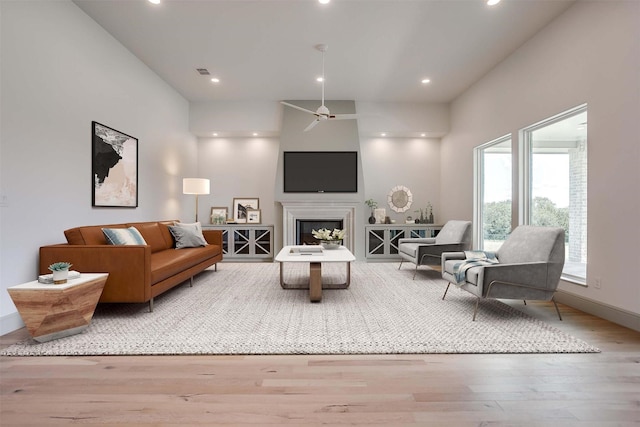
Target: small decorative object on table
[[372, 204], [60, 272], [329, 239], [429, 212]]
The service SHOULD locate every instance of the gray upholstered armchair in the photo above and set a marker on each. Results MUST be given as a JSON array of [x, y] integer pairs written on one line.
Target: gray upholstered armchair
[[454, 236], [528, 265]]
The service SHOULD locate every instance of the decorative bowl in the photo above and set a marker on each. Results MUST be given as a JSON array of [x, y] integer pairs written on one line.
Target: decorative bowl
[[331, 244]]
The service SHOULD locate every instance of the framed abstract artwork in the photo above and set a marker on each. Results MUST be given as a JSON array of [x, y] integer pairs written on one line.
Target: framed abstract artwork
[[114, 168], [240, 207]]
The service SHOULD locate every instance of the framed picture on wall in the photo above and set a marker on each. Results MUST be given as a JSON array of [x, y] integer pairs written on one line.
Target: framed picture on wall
[[240, 207], [114, 167], [253, 216], [219, 215]]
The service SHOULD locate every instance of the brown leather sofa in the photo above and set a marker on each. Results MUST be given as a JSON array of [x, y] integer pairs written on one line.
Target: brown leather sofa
[[137, 273]]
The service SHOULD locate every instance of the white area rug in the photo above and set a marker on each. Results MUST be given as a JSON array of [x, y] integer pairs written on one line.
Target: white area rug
[[241, 309]]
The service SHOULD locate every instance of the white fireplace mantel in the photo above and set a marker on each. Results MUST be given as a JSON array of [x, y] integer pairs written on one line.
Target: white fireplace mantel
[[306, 210]]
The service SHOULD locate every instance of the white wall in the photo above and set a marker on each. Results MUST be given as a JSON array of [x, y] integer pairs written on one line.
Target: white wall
[[60, 71], [239, 167], [589, 54], [412, 162]]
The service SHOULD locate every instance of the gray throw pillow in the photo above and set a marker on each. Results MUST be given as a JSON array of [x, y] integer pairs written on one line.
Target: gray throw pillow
[[187, 235]]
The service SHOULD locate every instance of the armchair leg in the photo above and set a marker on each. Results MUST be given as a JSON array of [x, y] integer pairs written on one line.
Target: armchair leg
[[400, 265], [557, 309], [525, 301], [414, 272], [476, 309], [446, 290]]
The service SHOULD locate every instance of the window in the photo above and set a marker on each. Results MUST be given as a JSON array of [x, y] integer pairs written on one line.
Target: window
[[493, 193], [554, 183]]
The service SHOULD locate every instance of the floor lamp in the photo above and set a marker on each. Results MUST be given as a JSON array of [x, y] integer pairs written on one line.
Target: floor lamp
[[195, 186]]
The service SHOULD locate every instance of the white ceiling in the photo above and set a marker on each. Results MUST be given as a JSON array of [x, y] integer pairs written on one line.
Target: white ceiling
[[379, 50]]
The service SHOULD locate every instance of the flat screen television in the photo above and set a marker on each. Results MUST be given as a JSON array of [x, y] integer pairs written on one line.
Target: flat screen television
[[320, 172]]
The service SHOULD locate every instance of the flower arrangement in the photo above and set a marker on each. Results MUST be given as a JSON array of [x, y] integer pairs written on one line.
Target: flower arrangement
[[371, 203], [324, 234], [60, 266]]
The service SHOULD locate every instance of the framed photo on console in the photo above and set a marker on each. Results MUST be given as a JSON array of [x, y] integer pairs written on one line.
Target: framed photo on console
[[254, 216], [240, 207], [219, 215]]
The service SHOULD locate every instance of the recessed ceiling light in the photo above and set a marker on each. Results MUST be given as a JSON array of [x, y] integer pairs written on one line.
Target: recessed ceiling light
[[492, 2], [255, 134], [215, 134], [425, 81], [383, 134], [215, 80], [423, 135], [324, 1], [154, 1], [320, 79]]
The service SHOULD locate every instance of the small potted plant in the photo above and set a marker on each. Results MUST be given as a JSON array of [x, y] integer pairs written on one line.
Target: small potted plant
[[60, 272], [372, 204]]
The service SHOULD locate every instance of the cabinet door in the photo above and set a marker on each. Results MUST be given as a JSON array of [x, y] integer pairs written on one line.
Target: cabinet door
[[375, 242], [241, 241], [262, 242], [225, 242], [395, 234]]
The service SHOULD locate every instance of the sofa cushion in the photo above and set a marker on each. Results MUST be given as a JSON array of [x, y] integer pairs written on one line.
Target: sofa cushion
[[152, 234], [89, 235], [123, 236], [169, 262], [188, 235]]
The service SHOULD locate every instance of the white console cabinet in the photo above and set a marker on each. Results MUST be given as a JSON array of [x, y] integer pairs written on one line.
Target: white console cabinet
[[241, 242], [382, 239]]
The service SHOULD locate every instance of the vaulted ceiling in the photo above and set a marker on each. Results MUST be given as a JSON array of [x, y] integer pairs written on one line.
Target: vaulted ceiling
[[378, 50]]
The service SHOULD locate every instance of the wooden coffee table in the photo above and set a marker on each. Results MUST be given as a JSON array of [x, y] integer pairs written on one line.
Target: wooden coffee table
[[54, 311], [291, 254]]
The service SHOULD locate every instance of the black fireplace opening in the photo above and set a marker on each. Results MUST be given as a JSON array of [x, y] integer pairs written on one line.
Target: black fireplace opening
[[304, 227]]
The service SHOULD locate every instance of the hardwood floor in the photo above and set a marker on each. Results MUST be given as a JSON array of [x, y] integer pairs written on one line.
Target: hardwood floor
[[392, 390]]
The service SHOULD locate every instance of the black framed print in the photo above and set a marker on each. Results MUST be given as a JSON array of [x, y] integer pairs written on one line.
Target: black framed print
[[114, 167]]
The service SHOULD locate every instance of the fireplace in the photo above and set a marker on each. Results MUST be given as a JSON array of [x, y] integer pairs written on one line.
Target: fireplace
[[320, 211], [304, 227]]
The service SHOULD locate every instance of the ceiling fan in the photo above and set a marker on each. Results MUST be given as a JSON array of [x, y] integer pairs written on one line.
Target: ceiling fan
[[322, 113]]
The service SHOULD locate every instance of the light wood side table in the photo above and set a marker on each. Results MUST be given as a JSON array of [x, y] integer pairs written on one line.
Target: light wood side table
[[54, 311]]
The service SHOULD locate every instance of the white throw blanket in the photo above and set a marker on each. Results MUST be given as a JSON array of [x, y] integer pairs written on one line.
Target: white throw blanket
[[473, 259]]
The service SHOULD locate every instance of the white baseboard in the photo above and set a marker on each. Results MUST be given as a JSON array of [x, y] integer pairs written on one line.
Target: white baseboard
[[613, 314], [10, 322]]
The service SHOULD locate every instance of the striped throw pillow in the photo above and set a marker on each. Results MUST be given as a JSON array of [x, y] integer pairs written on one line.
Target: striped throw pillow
[[123, 236]]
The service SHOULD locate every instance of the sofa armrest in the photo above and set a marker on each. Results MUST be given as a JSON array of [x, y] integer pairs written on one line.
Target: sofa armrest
[[446, 256], [129, 267], [213, 237], [508, 280], [421, 240]]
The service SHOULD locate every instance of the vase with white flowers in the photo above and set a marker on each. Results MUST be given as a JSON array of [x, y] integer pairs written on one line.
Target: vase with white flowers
[[329, 239]]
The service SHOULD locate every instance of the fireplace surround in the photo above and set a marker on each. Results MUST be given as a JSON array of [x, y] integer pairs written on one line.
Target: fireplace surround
[[292, 212]]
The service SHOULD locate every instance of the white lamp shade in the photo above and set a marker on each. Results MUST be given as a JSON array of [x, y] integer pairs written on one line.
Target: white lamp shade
[[195, 186]]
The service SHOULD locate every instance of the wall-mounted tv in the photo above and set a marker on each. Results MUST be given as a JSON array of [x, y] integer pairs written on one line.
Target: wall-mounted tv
[[320, 172]]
